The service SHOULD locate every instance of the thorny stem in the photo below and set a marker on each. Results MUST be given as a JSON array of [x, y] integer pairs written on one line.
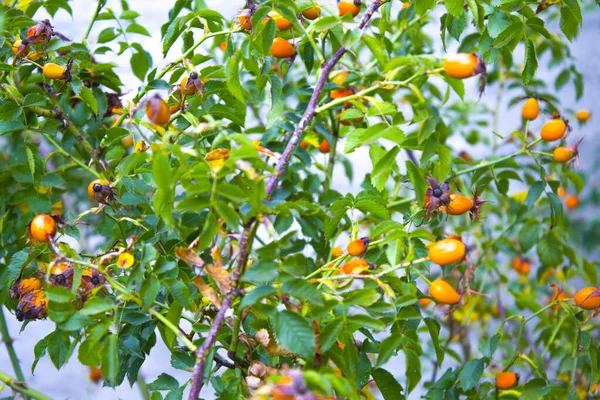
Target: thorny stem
[[8, 342], [245, 244], [247, 235], [331, 164], [96, 13], [21, 387], [311, 109]]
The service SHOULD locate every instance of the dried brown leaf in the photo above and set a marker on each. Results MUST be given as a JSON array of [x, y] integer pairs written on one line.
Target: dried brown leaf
[[189, 256], [207, 291], [220, 276]]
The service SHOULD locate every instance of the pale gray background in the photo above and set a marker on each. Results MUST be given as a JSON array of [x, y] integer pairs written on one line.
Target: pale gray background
[[72, 381]]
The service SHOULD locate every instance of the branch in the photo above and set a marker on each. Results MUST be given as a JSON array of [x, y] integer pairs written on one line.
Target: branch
[[96, 13], [245, 246], [250, 227], [312, 104], [21, 387]]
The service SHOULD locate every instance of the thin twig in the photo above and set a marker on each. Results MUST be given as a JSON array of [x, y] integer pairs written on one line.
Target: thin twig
[[94, 17]]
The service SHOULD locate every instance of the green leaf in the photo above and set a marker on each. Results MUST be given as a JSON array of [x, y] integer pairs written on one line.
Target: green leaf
[[330, 333], [164, 382], [378, 49], [365, 321], [58, 348], [90, 353], [30, 161], [233, 79], [550, 249], [164, 197], [434, 331], [76, 322], [534, 193], [531, 63], [97, 305], [149, 290], [529, 235], [556, 206], [513, 31], [325, 23], [276, 100], [17, 261], [423, 6], [498, 22], [87, 96], [338, 209], [110, 358], [361, 297], [417, 180], [373, 207], [455, 7], [180, 292], [388, 347], [59, 294], [140, 64], [413, 368], [383, 168], [470, 374], [258, 293], [535, 389], [115, 135], [457, 85], [386, 383], [570, 18], [488, 347], [304, 290], [295, 333], [39, 351]]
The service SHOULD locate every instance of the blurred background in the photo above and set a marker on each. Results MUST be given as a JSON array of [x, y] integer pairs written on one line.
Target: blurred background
[[72, 380]]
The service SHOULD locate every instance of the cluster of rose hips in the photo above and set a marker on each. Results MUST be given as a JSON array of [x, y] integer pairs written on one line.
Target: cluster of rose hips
[[33, 303]]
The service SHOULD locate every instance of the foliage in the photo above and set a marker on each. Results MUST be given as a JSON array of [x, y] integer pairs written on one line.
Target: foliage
[[214, 229]]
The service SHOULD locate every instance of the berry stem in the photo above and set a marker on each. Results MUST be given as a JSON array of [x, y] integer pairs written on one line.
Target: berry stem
[[8, 342]]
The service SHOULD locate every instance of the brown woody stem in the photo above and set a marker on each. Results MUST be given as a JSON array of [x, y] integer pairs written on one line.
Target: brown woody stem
[[312, 103], [246, 238], [247, 234]]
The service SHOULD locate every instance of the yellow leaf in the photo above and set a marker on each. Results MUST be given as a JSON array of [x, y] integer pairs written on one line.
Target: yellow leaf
[[125, 260], [217, 158], [58, 208], [140, 147]]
